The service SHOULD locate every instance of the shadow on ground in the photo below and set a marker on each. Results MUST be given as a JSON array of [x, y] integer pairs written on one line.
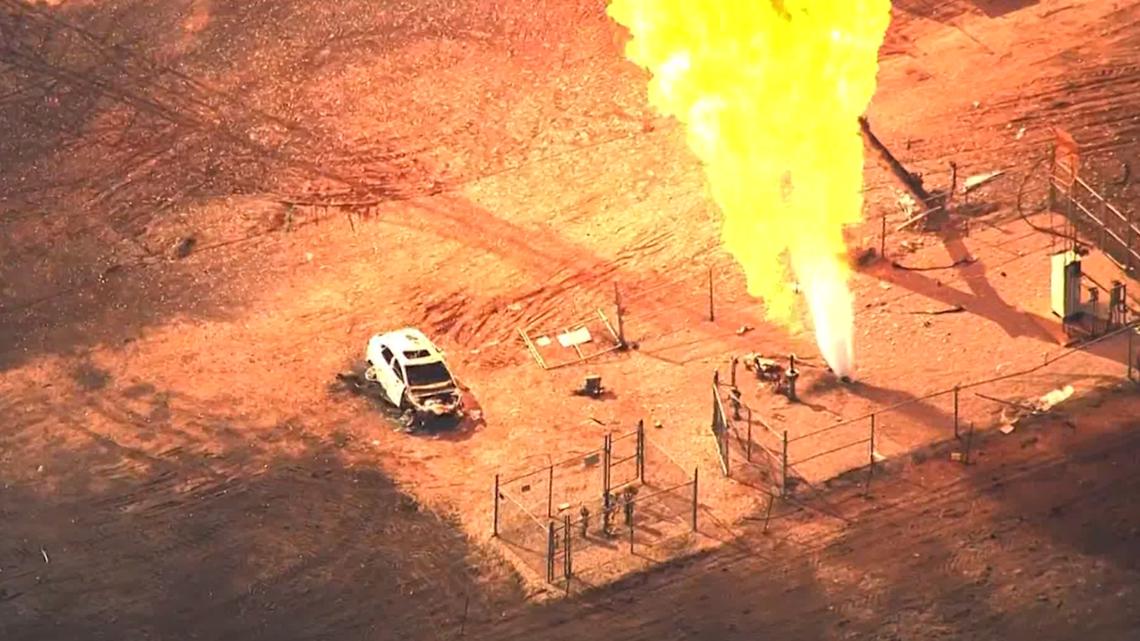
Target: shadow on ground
[[107, 540], [1012, 549]]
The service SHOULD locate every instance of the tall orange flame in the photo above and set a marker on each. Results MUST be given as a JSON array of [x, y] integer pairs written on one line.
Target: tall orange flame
[[770, 92]]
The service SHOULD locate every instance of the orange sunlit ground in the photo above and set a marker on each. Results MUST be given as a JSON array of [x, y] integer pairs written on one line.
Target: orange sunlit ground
[[208, 206]]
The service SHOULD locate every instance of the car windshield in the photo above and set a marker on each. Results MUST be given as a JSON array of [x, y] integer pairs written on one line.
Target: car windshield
[[429, 374]]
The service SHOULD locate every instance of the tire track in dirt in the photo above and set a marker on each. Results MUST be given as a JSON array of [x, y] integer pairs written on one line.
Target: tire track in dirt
[[569, 276]]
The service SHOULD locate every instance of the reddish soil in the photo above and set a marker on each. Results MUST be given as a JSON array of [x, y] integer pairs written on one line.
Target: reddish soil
[[207, 207]]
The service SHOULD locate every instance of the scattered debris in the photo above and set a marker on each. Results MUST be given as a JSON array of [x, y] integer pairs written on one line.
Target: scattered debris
[[744, 329], [968, 260], [1015, 411], [766, 369], [591, 387], [977, 180], [919, 216], [184, 246], [575, 337], [866, 257], [936, 312], [44, 552], [1020, 134], [911, 245], [907, 204]]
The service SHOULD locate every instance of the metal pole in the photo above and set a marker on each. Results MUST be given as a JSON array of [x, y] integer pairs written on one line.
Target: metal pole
[[550, 493], [784, 466], [632, 516], [568, 560], [606, 469], [696, 481], [748, 446], [955, 411], [712, 316], [1131, 351], [495, 516], [1052, 186], [620, 322], [1130, 248], [883, 238], [871, 468], [550, 552], [1103, 222], [641, 451], [768, 512]]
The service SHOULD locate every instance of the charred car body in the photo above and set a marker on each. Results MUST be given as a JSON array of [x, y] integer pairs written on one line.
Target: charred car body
[[413, 376]]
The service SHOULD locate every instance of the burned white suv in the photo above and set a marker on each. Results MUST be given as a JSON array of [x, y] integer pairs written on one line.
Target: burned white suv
[[413, 376]]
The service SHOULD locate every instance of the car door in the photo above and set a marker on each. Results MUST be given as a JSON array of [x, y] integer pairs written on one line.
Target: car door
[[392, 378]]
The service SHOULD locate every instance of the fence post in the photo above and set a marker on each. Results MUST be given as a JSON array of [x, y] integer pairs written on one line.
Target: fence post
[[883, 238], [550, 493], [550, 547], [1103, 221], [568, 567], [871, 467], [632, 516], [495, 512], [1052, 171], [606, 470], [1131, 356], [955, 412], [732, 376], [784, 465], [641, 451], [712, 315], [696, 471], [620, 322], [748, 446], [1130, 267]]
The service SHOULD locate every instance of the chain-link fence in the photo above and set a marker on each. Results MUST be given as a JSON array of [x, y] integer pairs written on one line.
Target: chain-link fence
[[566, 517], [758, 455]]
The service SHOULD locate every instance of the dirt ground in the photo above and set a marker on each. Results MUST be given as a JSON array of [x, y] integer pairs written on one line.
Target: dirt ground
[[207, 207]]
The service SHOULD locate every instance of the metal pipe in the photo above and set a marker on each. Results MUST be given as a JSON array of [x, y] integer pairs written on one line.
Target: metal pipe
[[620, 321], [910, 181], [495, 516], [550, 493]]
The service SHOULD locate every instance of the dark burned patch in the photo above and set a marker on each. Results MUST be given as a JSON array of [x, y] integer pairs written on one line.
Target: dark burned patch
[[139, 390], [90, 377], [351, 382]]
